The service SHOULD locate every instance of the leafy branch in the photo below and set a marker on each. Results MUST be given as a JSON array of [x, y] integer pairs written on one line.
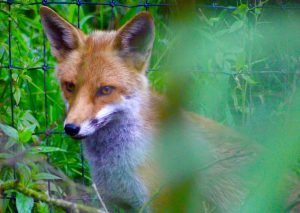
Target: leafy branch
[[16, 185]]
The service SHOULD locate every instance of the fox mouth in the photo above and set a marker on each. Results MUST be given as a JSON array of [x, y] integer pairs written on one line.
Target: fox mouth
[[79, 137]]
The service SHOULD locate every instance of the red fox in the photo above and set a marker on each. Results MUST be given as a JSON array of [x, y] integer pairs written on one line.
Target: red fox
[[111, 107]]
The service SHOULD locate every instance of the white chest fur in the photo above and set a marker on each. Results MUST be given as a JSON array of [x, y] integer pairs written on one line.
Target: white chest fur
[[114, 152]]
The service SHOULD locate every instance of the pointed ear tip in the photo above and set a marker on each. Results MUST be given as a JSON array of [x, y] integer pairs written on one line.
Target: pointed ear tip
[[146, 15], [44, 10]]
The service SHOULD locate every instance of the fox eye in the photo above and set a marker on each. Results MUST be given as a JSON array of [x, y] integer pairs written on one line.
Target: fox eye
[[70, 87], [105, 90]]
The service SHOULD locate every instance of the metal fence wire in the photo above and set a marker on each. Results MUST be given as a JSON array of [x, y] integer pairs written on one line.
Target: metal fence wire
[[146, 5], [45, 67]]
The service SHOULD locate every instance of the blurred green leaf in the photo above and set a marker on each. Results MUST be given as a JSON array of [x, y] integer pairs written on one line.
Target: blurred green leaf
[[242, 9], [24, 203], [9, 131], [46, 176], [236, 26], [248, 79], [6, 155], [42, 208], [46, 149]]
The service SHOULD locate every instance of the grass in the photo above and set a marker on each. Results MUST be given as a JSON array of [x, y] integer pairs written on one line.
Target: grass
[[239, 67]]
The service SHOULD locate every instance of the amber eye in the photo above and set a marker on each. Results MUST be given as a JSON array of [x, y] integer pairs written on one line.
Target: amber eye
[[70, 87], [105, 90]]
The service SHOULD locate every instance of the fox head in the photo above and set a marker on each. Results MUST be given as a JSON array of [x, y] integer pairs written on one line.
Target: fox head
[[101, 75]]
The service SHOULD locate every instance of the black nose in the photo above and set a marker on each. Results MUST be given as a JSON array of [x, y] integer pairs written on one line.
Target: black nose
[[72, 129]]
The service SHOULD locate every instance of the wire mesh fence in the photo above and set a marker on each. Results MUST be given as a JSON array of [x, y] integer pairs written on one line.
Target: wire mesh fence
[[48, 130], [45, 67]]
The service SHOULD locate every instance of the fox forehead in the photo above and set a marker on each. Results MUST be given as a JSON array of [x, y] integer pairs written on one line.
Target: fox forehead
[[96, 62]]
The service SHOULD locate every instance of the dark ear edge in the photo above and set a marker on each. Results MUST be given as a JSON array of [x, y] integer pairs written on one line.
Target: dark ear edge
[[63, 36], [135, 38]]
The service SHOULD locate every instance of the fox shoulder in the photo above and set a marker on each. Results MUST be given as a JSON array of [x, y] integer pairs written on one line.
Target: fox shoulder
[[221, 182]]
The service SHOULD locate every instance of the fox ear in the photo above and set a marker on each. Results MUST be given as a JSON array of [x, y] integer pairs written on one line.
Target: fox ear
[[135, 39], [62, 35]]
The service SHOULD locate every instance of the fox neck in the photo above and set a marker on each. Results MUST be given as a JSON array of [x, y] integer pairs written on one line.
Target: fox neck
[[116, 150]]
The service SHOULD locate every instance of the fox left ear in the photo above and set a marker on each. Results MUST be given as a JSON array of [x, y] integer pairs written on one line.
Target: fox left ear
[[135, 40], [63, 37]]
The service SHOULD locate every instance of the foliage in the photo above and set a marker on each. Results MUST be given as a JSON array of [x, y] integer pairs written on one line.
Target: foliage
[[240, 69]]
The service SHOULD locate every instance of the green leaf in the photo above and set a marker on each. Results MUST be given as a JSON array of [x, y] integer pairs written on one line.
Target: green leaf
[[17, 95], [29, 117], [9, 131], [15, 76], [10, 143], [25, 135], [46, 149], [42, 208], [46, 176], [85, 19], [236, 26], [24, 203], [27, 77], [25, 172], [241, 10], [248, 79], [6, 155]]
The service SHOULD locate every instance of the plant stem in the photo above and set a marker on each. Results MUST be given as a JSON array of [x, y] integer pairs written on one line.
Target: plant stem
[[45, 198]]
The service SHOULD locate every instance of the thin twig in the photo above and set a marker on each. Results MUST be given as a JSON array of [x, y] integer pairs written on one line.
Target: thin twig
[[152, 198], [98, 195]]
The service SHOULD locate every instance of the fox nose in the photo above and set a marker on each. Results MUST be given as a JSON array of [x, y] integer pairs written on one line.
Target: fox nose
[[72, 129]]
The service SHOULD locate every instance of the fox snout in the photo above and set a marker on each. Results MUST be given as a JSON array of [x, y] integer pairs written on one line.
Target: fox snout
[[81, 131], [87, 127]]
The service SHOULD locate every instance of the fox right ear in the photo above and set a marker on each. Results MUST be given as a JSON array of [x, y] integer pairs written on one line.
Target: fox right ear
[[135, 39], [62, 35]]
